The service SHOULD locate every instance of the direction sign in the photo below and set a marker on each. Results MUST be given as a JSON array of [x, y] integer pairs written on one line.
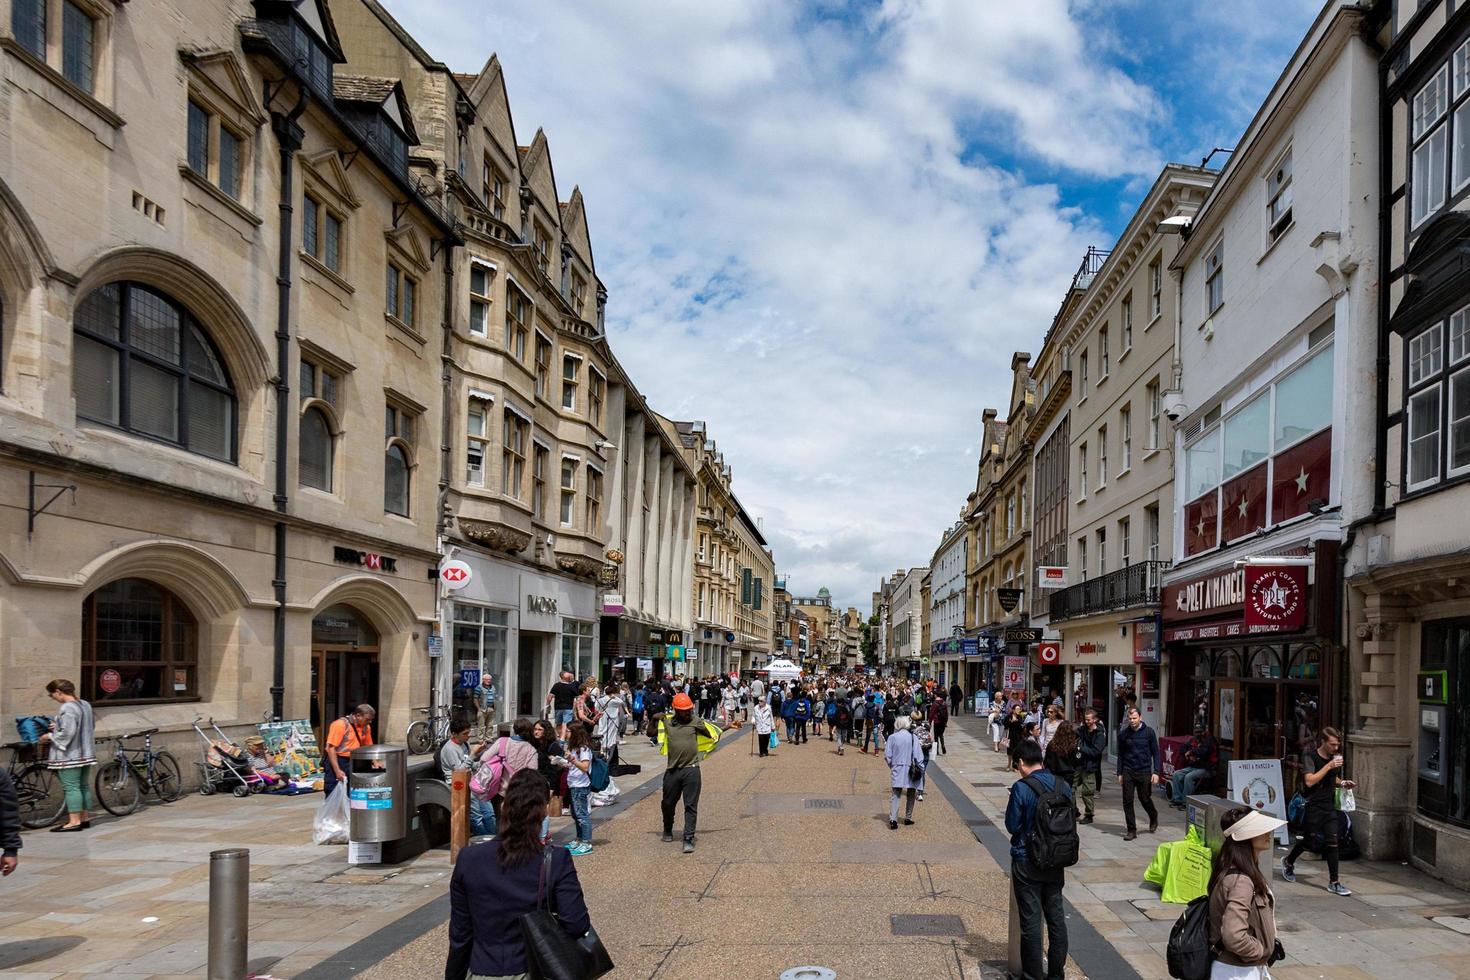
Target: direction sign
[[455, 574], [1023, 634]]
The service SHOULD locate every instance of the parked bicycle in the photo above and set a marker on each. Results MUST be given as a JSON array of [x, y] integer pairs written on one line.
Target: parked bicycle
[[428, 733], [36, 787], [121, 783]]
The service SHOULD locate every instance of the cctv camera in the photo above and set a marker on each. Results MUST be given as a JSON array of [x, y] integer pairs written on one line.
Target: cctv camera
[[1173, 413], [1173, 405]]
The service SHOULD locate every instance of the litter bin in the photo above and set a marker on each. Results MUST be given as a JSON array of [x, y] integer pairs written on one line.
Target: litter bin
[[377, 794], [1204, 812]]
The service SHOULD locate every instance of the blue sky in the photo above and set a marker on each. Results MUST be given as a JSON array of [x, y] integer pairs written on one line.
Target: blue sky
[[825, 226]]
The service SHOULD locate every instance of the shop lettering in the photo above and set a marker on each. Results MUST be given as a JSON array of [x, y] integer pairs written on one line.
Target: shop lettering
[[1091, 648], [351, 556], [1205, 595], [541, 604]]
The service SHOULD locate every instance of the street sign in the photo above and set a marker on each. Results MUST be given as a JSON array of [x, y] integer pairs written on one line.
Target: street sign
[[469, 678], [1023, 634], [455, 574], [1051, 576], [436, 645], [1008, 598]]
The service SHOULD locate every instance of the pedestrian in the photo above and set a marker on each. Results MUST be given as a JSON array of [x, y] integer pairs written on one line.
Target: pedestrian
[[9, 825], [905, 757], [1138, 770], [1037, 888], [71, 753], [584, 706], [706, 700], [497, 882], [829, 708], [765, 724], [1242, 910], [757, 690], [1062, 756], [802, 714], [1320, 771], [938, 721], [657, 704], [788, 716], [485, 699], [920, 729], [637, 703], [1049, 726], [1015, 735], [861, 705], [956, 697], [1201, 754], [1092, 744], [548, 748], [684, 741], [997, 725], [560, 698], [731, 703], [890, 719], [841, 723], [457, 753], [817, 714], [579, 782], [612, 709]]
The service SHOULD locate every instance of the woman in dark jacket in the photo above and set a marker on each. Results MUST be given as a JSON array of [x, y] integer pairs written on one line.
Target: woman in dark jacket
[[1063, 756], [497, 882], [1015, 733]]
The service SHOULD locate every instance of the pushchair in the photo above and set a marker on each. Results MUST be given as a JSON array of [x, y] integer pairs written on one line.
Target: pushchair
[[225, 765]]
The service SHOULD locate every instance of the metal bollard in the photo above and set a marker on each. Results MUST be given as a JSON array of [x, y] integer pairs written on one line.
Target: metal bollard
[[229, 913], [1013, 938], [459, 812]]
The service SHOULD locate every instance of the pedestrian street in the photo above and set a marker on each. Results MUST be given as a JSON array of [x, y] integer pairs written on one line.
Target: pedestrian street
[[794, 865]]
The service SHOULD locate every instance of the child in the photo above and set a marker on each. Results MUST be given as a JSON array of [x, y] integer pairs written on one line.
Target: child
[[579, 781]]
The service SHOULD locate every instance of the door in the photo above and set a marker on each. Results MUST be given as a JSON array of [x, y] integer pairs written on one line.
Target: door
[[527, 650], [340, 681]]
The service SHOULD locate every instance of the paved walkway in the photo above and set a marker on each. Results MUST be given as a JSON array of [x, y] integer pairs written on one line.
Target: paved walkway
[[795, 865], [1399, 922], [129, 898]]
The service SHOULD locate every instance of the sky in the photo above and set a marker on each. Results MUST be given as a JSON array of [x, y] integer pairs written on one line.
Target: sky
[[826, 226]]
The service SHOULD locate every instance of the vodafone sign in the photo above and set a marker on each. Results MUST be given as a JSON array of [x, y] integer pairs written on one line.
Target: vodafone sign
[[1049, 651], [455, 574]]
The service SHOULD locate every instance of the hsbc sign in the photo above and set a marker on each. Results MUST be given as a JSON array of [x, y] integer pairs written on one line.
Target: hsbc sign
[[455, 574], [367, 559]]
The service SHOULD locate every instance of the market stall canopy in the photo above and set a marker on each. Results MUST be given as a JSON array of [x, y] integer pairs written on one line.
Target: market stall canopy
[[783, 670]]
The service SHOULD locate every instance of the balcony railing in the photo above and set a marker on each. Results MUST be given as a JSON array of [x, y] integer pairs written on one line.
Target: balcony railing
[[1133, 585]]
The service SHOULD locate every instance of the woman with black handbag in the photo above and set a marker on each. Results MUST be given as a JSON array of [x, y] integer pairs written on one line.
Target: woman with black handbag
[[515, 905]]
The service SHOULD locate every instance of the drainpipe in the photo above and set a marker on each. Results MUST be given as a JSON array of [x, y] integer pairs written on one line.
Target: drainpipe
[[446, 405], [289, 135]]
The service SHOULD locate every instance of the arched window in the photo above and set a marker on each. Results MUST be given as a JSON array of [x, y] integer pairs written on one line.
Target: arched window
[[315, 450], [139, 643], [395, 480], [143, 364]]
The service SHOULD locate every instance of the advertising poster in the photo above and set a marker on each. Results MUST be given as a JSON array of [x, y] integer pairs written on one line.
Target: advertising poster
[[1171, 752], [1227, 714], [1256, 783], [293, 749]]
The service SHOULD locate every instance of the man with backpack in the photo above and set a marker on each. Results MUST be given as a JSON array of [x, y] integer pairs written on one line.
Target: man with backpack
[[1043, 827], [841, 722]]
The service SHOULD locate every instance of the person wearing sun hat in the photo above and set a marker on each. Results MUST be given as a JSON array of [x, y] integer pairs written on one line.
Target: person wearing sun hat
[[684, 740], [1242, 908]]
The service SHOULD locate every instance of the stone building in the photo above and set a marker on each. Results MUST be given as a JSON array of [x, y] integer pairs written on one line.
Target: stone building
[[1119, 340], [222, 325], [946, 607]]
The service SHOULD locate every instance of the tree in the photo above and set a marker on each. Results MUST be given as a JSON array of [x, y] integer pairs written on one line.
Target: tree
[[870, 641]]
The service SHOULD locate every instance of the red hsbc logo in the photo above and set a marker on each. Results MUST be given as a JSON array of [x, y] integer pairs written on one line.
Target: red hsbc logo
[[455, 574], [367, 559]]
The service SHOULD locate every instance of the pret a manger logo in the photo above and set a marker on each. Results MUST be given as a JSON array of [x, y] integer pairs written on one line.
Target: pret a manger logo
[[1275, 598]]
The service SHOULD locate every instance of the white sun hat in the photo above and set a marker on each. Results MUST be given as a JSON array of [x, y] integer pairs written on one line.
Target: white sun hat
[[1253, 825]]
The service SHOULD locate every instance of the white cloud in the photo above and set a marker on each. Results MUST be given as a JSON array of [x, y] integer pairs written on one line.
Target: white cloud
[[866, 274]]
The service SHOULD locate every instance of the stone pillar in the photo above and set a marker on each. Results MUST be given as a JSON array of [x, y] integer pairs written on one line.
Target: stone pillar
[[636, 546], [1382, 756]]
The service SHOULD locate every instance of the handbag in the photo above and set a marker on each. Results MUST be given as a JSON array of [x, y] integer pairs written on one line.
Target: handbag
[[916, 768], [553, 954]]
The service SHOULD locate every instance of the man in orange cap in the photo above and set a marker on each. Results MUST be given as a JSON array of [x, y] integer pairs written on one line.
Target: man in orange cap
[[685, 740]]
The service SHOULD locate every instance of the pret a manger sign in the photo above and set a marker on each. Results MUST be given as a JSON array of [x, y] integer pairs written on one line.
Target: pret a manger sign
[[1213, 594]]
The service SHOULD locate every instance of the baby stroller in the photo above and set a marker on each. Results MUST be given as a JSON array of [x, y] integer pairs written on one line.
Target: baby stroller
[[225, 765]]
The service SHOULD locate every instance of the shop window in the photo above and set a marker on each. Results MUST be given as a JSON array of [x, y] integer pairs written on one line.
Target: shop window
[[143, 364], [481, 636], [139, 643], [578, 653]]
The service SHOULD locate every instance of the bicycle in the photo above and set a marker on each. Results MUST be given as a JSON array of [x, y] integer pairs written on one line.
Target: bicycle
[[121, 783], [428, 733], [37, 789]]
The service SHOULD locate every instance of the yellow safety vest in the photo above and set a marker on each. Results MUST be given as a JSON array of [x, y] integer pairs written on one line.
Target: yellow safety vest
[[706, 737]]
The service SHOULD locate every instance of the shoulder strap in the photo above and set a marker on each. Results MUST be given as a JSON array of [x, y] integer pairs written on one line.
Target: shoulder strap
[[543, 891], [346, 733], [1034, 785]]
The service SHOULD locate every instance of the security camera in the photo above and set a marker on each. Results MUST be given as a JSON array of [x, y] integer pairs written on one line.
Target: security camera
[[1173, 405]]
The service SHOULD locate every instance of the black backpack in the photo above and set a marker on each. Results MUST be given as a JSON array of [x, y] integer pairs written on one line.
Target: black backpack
[[1052, 843], [1189, 953]]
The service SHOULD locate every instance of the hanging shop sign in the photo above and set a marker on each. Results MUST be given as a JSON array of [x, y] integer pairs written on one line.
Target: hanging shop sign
[[1023, 634], [612, 604], [1146, 642], [1014, 675], [1275, 598], [1051, 576], [367, 559], [1049, 652], [1008, 598], [970, 646], [663, 637], [455, 574]]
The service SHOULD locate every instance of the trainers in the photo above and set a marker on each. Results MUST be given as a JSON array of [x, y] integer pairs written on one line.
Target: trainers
[[1288, 871], [689, 847], [1131, 835], [893, 825], [668, 837], [1338, 888], [579, 848], [921, 796]]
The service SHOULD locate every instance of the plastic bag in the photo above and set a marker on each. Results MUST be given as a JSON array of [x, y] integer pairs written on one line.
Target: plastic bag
[[329, 826], [608, 796], [1346, 802], [1188, 874], [1158, 868]]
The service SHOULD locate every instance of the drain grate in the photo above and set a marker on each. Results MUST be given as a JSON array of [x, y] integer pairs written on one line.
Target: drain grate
[[823, 804], [927, 925]]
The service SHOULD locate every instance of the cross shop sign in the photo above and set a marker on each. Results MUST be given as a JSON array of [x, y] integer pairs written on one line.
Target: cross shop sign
[[351, 556], [542, 604]]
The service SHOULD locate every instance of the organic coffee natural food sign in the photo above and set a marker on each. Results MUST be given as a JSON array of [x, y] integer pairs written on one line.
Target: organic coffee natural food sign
[[1275, 598]]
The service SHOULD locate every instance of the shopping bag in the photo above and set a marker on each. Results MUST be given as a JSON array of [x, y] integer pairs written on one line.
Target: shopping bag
[[329, 826], [1346, 802], [774, 740], [1158, 868], [1188, 874]]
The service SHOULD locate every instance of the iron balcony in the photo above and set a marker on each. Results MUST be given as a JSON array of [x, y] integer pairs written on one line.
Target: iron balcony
[[1126, 588]]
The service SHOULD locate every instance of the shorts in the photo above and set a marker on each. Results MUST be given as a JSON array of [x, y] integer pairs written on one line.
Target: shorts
[[563, 717]]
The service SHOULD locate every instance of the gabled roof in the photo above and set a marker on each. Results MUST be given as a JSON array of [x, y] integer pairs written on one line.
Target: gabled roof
[[385, 94], [318, 17], [574, 227]]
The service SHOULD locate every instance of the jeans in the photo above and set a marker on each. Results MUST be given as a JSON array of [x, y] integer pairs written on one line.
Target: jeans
[[482, 818], [681, 782], [1183, 782], [893, 797], [562, 717], [840, 736], [582, 812], [1039, 895], [76, 782], [1138, 781], [870, 737], [939, 738], [1082, 789], [1319, 820], [801, 729]]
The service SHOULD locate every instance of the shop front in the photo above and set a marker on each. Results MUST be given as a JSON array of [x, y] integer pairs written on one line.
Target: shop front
[[522, 627], [1111, 667], [1252, 655]]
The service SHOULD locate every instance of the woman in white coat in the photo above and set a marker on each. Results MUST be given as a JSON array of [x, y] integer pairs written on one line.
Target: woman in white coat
[[902, 750], [765, 724]]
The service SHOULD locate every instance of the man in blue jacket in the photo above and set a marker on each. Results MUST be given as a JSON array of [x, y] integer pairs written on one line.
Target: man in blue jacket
[[1138, 770], [1038, 891]]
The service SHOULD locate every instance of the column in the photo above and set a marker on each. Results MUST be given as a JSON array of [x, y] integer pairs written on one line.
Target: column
[[633, 481], [652, 531], [1382, 760], [666, 523]]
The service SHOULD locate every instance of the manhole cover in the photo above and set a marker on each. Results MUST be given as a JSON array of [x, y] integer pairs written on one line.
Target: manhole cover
[[808, 973], [824, 804], [927, 925]]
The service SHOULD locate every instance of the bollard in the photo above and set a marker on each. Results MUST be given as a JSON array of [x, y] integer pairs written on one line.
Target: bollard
[[1013, 938], [229, 913], [459, 812]]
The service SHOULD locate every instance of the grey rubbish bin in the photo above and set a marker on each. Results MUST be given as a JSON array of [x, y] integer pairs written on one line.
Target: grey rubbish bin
[[1205, 812], [377, 794]]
